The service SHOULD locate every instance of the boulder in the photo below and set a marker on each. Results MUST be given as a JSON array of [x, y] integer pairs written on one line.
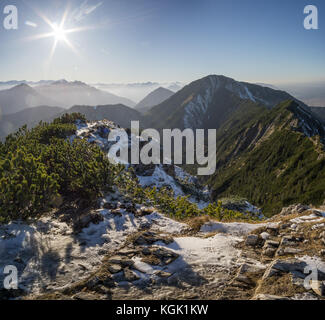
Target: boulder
[[251, 240], [265, 235], [285, 266]]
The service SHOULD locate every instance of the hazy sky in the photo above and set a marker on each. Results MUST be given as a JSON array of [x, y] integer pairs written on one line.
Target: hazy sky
[[170, 40]]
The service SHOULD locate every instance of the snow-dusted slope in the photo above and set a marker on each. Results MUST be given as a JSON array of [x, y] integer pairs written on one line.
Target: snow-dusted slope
[[210, 101]]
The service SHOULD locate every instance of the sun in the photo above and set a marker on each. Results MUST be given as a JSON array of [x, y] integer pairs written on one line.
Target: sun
[[59, 33]]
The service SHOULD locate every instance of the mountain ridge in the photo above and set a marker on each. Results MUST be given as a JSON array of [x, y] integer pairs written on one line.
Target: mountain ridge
[[208, 103], [154, 98]]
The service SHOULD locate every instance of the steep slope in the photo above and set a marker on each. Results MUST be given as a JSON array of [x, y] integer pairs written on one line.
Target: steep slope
[[272, 157], [69, 94], [21, 97], [319, 111], [30, 116], [153, 99], [209, 102]]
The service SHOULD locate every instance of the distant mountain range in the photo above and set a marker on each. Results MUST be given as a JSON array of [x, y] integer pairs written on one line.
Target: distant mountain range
[[154, 98], [120, 114], [10, 123], [21, 97], [68, 94], [59, 93], [137, 91]]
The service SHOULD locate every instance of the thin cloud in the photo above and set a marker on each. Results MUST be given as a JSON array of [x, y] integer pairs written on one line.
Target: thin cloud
[[84, 10], [31, 24]]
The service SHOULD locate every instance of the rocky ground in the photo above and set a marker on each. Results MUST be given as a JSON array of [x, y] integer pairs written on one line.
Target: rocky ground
[[123, 251]]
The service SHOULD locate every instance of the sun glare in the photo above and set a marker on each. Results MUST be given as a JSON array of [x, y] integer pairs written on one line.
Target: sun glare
[[59, 33]]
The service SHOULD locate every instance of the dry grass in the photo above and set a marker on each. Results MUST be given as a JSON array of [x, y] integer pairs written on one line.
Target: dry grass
[[196, 223], [279, 286]]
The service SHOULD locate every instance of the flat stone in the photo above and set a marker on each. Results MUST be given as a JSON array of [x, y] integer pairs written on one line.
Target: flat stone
[[251, 240], [115, 260], [248, 268], [244, 279], [163, 274], [114, 268], [291, 250], [292, 266], [271, 244], [127, 252]]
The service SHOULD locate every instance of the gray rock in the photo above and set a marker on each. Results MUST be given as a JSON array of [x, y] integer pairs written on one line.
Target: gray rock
[[273, 228], [265, 235], [244, 279], [293, 266], [269, 252], [146, 251], [251, 240], [163, 274], [291, 250], [271, 244], [288, 241], [127, 262], [115, 260], [248, 268], [129, 275], [127, 252], [166, 256], [114, 268]]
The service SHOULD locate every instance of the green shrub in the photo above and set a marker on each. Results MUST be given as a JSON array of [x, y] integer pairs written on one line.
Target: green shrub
[[38, 165], [26, 188]]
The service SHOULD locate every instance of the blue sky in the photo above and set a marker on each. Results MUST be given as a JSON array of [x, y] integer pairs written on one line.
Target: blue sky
[[170, 40]]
